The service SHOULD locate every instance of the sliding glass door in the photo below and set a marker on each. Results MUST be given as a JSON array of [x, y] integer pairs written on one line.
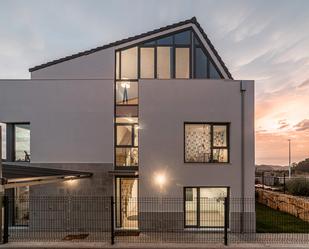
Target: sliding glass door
[[204, 206]]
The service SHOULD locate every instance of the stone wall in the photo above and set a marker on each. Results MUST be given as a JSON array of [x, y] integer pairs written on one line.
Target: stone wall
[[294, 205]]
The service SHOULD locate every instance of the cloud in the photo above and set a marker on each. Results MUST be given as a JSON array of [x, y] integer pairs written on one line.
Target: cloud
[[302, 125]]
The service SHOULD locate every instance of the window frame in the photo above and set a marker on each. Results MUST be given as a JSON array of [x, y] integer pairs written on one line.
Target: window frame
[[212, 147], [198, 206]]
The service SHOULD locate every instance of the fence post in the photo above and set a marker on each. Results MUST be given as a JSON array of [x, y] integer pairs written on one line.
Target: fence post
[[112, 221], [226, 219], [284, 183], [6, 220], [263, 180]]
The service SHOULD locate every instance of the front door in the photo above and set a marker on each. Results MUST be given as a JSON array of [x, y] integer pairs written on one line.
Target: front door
[[126, 203], [204, 206]]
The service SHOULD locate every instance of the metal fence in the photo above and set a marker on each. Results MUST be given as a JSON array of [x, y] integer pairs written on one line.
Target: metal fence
[[149, 220], [278, 182]]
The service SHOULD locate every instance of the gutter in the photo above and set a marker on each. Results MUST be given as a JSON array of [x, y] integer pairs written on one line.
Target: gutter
[[242, 162]]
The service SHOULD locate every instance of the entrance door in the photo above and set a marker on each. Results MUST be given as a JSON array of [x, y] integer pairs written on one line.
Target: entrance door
[[204, 206], [126, 203]]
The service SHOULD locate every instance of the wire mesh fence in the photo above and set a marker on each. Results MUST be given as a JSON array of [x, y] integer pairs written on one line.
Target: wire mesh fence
[[151, 220]]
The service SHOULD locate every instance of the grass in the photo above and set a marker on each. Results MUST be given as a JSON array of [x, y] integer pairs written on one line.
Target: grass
[[272, 221]]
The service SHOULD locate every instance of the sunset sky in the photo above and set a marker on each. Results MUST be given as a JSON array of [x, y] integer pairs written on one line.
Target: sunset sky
[[267, 41]]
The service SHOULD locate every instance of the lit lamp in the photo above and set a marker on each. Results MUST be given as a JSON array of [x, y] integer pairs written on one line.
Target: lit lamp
[[160, 179]]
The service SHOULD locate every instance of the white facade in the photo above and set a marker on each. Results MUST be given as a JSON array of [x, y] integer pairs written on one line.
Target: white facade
[[70, 106]]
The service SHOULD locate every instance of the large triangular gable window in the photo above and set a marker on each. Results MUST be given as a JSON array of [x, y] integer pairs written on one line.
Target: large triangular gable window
[[179, 55]]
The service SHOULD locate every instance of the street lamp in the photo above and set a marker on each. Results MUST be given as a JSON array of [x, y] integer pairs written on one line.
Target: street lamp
[[289, 158]]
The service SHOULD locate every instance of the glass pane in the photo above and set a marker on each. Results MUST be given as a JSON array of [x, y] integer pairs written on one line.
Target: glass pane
[[22, 142], [117, 65], [124, 134], [126, 202], [164, 58], [219, 135], [21, 206], [191, 206], [183, 38], [150, 43], [200, 64], [220, 155], [147, 63], [126, 92], [182, 61], [197, 143], [129, 63], [212, 207], [126, 156], [136, 128], [165, 41], [127, 111], [126, 120], [213, 73], [3, 141], [118, 202]]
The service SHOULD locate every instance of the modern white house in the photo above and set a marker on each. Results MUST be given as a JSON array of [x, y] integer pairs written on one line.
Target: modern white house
[[157, 115]]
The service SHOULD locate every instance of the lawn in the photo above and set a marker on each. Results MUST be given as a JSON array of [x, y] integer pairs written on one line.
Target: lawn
[[272, 221]]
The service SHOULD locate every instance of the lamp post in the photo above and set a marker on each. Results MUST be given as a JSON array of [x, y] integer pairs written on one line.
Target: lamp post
[[289, 158]]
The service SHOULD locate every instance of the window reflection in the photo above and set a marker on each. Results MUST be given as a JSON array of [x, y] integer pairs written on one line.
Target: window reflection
[[3, 141], [22, 142]]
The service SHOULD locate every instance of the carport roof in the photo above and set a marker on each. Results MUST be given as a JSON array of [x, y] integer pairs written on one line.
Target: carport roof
[[23, 174]]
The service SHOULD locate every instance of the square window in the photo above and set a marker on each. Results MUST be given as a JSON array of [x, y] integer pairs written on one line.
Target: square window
[[127, 157], [126, 93], [124, 135], [206, 142]]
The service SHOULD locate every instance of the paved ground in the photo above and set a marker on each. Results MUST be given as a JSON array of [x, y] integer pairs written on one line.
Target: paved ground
[[83, 245]]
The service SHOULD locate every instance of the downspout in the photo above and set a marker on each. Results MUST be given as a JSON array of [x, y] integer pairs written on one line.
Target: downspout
[[242, 162]]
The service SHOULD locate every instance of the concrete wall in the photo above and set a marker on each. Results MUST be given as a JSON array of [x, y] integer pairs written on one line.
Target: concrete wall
[[70, 120], [164, 107], [99, 65]]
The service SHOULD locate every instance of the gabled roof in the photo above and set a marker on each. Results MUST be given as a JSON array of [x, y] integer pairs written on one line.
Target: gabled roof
[[130, 39]]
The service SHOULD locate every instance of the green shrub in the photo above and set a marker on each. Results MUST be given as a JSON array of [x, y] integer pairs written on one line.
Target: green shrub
[[298, 186]]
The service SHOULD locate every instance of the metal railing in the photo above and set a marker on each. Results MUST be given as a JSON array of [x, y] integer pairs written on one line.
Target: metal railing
[[148, 220]]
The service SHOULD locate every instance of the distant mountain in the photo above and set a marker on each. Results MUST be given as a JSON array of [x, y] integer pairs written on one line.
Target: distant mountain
[[265, 167]]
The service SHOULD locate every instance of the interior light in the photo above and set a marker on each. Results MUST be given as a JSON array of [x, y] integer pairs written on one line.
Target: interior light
[[125, 85]]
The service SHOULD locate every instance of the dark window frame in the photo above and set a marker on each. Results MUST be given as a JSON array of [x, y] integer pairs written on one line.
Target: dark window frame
[[212, 147], [198, 206], [115, 194], [191, 46]]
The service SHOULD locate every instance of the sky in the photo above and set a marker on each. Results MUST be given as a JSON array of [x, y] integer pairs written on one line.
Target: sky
[[263, 40]]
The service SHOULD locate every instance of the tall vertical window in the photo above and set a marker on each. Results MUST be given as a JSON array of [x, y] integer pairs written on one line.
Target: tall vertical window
[[129, 63], [164, 62], [3, 140], [182, 63], [22, 142], [147, 61], [200, 64], [206, 143]]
